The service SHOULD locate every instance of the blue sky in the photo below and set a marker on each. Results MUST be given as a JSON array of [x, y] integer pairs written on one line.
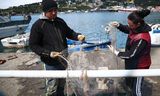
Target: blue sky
[[8, 3]]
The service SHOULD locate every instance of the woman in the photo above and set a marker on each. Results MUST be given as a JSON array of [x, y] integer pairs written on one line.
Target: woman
[[137, 50]]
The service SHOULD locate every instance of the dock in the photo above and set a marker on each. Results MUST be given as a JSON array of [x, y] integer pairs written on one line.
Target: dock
[[79, 60]]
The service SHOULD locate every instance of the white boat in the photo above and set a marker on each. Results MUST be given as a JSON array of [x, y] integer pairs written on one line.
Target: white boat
[[155, 35], [128, 9], [10, 28], [18, 41]]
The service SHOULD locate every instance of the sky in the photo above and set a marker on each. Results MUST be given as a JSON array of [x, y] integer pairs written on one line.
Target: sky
[[9, 3]]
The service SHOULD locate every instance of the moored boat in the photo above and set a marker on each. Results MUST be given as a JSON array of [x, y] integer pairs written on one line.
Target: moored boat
[[10, 28], [155, 35], [18, 41], [89, 46], [130, 9]]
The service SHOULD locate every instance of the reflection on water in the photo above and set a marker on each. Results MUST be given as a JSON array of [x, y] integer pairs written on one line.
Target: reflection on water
[[92, 24]]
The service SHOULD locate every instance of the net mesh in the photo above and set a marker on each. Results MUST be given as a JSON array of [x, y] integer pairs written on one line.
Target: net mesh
[[94, 60]]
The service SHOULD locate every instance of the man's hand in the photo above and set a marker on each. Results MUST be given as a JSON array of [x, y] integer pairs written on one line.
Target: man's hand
[[54, 54], [115, 24], [113, 50], [81, 37]]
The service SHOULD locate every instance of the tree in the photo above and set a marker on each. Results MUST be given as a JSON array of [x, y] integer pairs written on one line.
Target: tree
[[145, 3]]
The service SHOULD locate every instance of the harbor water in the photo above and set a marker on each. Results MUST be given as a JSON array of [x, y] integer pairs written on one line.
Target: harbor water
[[92, 24]]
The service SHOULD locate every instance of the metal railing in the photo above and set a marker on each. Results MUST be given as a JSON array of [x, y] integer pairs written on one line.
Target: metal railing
[[78, 73]]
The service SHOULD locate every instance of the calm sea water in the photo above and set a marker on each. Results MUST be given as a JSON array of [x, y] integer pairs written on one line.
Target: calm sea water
[[92, 24]]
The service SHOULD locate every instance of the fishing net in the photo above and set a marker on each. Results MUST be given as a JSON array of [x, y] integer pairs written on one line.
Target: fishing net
[[93, 60]]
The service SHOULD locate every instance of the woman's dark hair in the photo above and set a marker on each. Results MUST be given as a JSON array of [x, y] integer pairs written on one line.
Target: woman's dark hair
[[137, 16]]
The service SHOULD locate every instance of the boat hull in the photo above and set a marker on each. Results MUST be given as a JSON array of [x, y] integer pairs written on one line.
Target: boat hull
[[18, 41], [12, 30], [155, 35], [89, 46]]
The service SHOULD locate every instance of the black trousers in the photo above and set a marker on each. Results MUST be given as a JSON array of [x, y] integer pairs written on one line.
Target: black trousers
[[135, 85]]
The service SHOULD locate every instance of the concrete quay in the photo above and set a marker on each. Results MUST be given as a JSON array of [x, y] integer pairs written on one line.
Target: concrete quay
[[79, 60]]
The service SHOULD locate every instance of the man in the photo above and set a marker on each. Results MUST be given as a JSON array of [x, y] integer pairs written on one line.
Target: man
[[48, 40]]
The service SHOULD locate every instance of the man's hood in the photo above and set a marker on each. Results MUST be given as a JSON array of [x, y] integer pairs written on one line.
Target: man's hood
[[42, 16]]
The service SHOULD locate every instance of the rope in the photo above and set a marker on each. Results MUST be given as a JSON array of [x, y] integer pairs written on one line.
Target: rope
[[69, 67]]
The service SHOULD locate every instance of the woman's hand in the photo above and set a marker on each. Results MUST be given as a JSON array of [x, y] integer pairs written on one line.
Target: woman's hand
[[115, 24]]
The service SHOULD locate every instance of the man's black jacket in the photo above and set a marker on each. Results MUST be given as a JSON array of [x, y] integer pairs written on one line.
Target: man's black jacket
[[47, 36]]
